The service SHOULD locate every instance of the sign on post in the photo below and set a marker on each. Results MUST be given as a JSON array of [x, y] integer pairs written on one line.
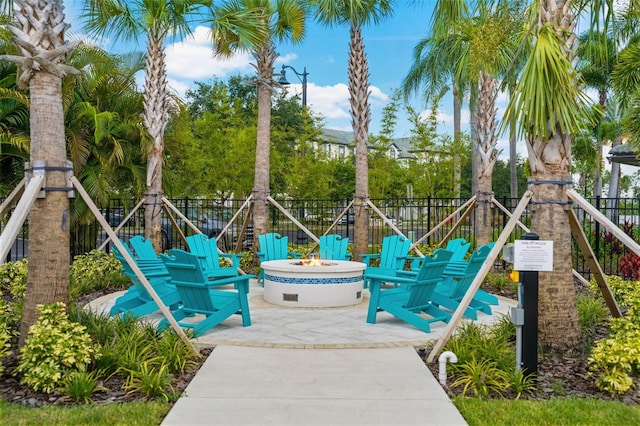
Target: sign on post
[[533, 255]]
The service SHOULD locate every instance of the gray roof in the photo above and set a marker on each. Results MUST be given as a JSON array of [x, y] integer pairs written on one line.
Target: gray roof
[[624, 154]]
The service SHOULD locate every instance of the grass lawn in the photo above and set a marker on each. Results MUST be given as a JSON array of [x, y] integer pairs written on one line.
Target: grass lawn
[[130, 413], [565, 411]]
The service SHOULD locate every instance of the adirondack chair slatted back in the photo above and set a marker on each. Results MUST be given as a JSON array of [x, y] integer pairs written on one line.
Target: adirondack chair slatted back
[[147, 266], [428, 276], [273, 246], [207, 249], [334, 247], [143, 248], [187, 274], [394, 250], [473, 266], [459, 248]]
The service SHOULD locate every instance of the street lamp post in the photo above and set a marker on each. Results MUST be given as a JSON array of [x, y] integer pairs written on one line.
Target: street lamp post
[[301, 76]]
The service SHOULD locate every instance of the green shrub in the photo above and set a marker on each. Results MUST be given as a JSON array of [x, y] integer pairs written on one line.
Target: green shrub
[[13, 285], [93, 271], [5, 337], [500, 281], [151, 379], [54, 347], [13, 279], [482, 378], [591, 311], [81, 384], [176, 354], [615, 360]]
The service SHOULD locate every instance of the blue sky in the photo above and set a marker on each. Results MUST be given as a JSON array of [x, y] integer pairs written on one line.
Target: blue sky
[[324, 52]]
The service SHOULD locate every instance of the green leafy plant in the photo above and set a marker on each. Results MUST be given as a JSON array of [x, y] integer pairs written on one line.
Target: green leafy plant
[[13, 285], [482, 378], [591, 311], [54, 347], [5, 338], [81, 384], [520, 383], [94, 271], [151, 379], [614, 361], [175, 352], [499, 281]]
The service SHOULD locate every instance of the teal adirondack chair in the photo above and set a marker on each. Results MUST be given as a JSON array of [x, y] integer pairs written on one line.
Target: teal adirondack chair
[[452, 288], [207, 250], [274, 246], [412, 298], [200, 295], [137, 301], [394, 253], [334, 247], [458, 247], [143, 248]]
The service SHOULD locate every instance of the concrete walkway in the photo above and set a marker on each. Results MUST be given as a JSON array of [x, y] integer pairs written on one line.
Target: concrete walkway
[[306, 366]]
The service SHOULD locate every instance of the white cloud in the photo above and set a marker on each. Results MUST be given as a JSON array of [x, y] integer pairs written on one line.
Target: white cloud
[[332, 102], [178, 87], [193, 58]]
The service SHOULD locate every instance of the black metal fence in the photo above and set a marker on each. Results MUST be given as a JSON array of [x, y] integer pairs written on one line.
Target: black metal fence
[[414, 217]]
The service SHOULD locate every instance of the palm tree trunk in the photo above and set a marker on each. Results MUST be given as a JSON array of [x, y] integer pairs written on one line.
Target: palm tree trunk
[[39, 34], [156, 107], [614, 188], [513, 155], [265, 57], [48, 270], [485, 147], [457, 136], [361, 117], [550, 164]]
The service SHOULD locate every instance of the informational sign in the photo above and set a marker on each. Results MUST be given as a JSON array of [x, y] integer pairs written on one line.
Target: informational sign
[[533, 255]]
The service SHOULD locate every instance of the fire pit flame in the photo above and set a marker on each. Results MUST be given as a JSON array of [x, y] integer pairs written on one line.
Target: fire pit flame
[[314, 261]]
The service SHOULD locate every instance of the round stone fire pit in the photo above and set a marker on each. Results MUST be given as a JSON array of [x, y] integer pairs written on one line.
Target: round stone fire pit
[[313, 283]]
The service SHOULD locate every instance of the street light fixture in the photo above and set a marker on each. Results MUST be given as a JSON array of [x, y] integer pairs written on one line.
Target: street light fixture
[[301, 76]]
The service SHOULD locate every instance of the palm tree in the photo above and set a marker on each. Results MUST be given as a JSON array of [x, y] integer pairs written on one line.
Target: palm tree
[[278, 20], [39, 33], [549, 106], [433, 68], [356, 14], [598, 56], [432, 71], [483, 48], [129, 19]]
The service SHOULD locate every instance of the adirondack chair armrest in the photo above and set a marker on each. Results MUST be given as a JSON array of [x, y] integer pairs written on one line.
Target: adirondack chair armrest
[[294, 255], [261, 255], [234, 257], [240, 279], [404, 274], [375, 278], [416, 262], [366, 258]]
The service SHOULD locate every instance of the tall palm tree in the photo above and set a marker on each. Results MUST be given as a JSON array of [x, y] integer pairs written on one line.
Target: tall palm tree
[[431, 71], [39, 33], [598, 56], [356, 14], [158, 20], [278, 20], [549, 105], [483, 48]]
